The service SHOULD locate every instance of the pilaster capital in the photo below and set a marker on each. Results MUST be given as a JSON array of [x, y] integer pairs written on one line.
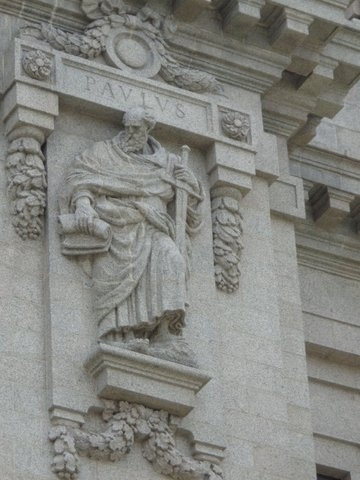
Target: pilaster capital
[[231, 166], [29, 106]]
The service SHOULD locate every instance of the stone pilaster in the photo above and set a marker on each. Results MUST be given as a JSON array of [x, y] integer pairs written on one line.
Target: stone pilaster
[[28, 112], [231, 169]]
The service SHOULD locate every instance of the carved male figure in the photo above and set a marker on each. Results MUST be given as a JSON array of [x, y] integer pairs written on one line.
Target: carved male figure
[[128, 183]]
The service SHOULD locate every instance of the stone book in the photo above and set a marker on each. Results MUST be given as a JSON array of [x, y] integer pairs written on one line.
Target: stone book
[[75, 242]]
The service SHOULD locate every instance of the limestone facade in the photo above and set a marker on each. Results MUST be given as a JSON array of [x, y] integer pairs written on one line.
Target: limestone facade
[[243, 188]]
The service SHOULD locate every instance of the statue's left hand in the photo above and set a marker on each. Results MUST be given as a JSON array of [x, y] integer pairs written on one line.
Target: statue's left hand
[[85, 215], [185, 175]]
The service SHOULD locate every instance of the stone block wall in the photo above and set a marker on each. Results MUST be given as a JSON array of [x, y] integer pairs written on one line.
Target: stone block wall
[[329, 283]]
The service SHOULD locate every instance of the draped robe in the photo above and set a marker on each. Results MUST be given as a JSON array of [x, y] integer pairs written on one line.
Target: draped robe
[[142, 278]]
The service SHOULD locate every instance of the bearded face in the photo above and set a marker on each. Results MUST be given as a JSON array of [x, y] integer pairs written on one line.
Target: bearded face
[[134, 138]]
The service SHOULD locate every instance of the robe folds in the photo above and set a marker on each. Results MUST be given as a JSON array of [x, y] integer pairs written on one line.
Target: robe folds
[[142, 277]]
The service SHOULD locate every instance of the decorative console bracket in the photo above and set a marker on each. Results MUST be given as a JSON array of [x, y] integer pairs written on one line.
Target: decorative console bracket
[[231, 168]]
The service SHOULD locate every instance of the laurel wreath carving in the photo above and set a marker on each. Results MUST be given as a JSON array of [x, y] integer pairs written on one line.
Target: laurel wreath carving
[[107, 15]]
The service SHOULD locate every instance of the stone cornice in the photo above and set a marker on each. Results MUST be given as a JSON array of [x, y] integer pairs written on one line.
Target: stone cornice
[[68, 16], [332, 264], [332, 11], [338, 255], [236, 63], [321, 368], [315, 164]]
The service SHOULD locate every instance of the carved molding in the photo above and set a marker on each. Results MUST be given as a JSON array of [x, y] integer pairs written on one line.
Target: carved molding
[[317, 250], [227, 241], [37, 65], [26, 181], [133, 41], [121, 374], [124, 424]]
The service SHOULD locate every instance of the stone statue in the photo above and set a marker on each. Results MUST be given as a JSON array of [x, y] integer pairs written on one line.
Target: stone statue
[[115, 208]]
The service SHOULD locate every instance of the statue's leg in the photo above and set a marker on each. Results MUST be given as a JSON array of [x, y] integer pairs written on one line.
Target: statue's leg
[[167, 341]]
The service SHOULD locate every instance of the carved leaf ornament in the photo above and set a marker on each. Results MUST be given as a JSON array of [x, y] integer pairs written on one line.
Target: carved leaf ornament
[[227, 233], [131, 40], [26, 186], [126, 423]]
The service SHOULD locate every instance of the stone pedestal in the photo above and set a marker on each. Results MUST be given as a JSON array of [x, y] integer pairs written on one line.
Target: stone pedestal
[[121, 374]]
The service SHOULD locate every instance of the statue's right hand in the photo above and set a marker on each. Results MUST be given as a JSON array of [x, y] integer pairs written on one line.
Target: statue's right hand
[[84, 217]]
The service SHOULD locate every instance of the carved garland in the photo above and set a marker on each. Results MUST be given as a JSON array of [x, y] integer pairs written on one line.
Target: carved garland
[[125, 423], [26, 185], [227, 232], [144, 25]]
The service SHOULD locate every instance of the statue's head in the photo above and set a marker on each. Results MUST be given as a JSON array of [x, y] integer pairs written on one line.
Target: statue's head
[[137, 122], [138, 117]]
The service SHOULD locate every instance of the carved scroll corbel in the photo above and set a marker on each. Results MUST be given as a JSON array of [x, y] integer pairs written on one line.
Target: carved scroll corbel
[[227, 238], [26, 180]]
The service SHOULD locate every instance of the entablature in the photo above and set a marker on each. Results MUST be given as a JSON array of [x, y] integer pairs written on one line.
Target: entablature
[[282, 37]]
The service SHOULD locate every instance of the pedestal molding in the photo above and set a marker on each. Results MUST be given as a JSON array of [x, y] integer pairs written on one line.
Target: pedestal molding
[[125, 375]]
